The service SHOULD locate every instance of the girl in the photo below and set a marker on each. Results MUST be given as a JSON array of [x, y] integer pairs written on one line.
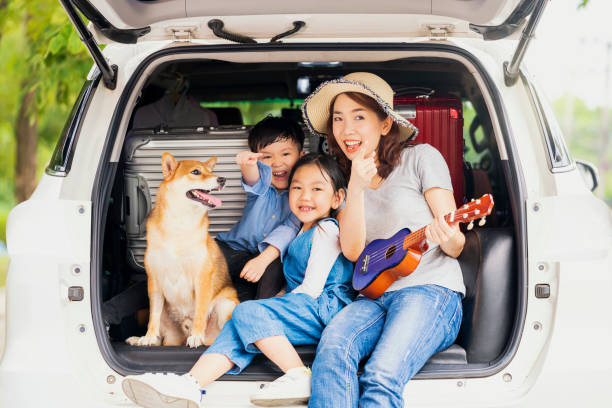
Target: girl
[[391, 186], [318, 286]]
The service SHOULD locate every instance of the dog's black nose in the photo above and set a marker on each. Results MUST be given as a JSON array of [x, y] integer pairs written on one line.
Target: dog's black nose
[[221, 181]]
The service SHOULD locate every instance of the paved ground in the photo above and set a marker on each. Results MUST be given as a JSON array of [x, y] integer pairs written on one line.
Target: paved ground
[[2, 326]]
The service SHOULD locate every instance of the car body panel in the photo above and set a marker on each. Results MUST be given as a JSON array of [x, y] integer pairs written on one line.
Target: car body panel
[[543, 368], [133, 13]]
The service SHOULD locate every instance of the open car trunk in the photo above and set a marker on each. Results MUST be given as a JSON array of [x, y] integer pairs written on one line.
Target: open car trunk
[[241, 93]]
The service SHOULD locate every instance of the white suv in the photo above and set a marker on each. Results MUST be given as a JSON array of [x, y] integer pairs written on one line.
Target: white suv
[[537, 318]]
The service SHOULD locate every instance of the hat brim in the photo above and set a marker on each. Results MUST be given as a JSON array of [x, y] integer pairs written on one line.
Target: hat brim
[[316, 107]]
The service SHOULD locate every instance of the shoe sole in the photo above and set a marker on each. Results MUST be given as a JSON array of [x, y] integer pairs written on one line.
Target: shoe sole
[[279, 402], [148, 397]]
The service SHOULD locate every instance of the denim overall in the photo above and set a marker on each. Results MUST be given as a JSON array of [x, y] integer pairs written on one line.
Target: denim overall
[[297, 316]]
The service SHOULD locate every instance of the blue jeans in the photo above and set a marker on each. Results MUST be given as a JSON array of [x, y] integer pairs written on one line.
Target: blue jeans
[[296, 316], [400, 331]]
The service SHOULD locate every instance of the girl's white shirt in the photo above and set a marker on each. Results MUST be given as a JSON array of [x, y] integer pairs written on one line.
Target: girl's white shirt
[[323, 254]]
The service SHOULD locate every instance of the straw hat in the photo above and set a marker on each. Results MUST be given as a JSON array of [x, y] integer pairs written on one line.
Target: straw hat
[[315, 108]]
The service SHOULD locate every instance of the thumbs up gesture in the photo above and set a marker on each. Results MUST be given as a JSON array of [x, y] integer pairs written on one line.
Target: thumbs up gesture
[[363, 168]]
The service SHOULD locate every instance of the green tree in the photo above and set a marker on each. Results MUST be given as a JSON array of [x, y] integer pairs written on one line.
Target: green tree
[[43, 72]]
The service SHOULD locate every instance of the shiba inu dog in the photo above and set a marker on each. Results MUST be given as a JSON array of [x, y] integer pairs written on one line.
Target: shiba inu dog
[[190, 291]]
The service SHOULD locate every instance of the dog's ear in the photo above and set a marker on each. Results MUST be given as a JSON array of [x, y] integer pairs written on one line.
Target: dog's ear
[[210, 163], [169, 165]]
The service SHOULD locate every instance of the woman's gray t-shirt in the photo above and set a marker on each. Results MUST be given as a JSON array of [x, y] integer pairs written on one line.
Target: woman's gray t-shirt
[[399, 202]]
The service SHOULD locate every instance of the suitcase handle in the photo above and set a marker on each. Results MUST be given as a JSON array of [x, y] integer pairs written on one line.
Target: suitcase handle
[[138, 202], [420, 92], [143, 192]]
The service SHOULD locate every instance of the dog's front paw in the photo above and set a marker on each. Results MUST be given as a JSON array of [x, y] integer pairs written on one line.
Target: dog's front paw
[[196, 340], [144, 340]]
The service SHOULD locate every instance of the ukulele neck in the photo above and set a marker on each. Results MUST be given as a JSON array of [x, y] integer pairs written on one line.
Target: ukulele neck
[[416, 239]]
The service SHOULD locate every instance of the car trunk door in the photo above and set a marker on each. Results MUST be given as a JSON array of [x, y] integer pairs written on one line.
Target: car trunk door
[[242, 21], [128, 20]]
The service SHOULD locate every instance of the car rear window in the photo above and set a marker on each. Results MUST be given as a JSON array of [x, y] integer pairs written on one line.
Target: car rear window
[[254, 110]]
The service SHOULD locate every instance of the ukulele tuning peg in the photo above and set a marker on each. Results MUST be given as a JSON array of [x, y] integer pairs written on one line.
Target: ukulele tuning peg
[[482, 221], [470, 225]]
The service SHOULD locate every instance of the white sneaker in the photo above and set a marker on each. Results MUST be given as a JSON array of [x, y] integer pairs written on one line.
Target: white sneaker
[[156, 390], [290, 389]]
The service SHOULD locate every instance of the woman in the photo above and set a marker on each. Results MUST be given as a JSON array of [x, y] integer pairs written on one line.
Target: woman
[[391, 186]]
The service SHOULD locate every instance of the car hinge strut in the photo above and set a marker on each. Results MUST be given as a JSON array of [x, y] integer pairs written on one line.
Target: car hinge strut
[[511, 70], [514, 22], [109, 73]]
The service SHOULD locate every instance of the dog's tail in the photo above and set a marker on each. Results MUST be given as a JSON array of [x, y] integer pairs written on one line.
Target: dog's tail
[[220, 311], [226, 300]]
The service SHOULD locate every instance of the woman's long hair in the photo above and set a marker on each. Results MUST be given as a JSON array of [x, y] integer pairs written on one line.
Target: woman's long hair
[[389, 148]]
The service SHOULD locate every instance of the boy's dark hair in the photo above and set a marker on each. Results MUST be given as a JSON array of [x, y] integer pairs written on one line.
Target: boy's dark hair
[[330, 169], [273, 129]]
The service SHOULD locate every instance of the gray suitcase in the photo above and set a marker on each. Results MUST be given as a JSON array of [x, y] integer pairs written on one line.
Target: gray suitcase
[[142, 175]]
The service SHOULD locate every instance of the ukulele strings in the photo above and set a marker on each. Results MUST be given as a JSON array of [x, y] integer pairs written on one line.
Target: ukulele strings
[[418, 235], [382, 254]]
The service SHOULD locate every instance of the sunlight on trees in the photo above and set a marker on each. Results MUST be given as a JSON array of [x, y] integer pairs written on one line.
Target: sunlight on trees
[[44, 64]]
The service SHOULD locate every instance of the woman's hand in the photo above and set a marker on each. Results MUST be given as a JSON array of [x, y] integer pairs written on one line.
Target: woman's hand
[[363, 169], [439, 232], [449, 237]]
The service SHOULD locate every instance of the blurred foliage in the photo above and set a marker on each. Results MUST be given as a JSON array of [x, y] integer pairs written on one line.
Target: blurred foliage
[[469, 152], [40, 47], [584, 138], [41, 51], [4, 210], [4, 261]]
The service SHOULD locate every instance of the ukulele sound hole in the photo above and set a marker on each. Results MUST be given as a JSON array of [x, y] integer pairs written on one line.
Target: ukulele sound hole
[[390, 251]]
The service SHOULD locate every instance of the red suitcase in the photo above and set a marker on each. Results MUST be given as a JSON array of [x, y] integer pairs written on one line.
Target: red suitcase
[[440, 123]]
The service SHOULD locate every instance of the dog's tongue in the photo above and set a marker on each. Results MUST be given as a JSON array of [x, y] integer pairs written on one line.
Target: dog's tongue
[[211, 199]]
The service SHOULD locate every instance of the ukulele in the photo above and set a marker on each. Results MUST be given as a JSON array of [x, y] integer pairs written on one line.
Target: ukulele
[[384, 261]]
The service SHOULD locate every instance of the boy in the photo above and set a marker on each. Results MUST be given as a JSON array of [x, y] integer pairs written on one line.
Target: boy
[[254, 247]]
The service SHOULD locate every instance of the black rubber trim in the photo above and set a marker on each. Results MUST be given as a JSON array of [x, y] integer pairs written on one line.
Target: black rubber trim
[[125, 36], [217, 27], [297, 26], [106, 169], [512, 23], [555, 146], [61, 160], [181, 359]]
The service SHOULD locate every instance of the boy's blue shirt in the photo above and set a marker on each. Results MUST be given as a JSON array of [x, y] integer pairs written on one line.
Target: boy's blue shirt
[[266, 218]]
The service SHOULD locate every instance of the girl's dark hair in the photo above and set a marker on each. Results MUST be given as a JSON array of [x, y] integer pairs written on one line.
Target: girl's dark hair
[[327, 165], [273, 129], [389, 148]]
